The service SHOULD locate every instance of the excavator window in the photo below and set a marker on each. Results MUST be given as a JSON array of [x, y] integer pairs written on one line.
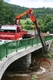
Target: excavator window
[[7, 30], [19, 29]]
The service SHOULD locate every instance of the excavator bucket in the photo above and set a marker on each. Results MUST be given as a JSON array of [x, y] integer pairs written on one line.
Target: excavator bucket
[[45, 60]]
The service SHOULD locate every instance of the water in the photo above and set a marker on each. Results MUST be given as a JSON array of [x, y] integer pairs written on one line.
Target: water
[[16, 77], [48, 75]]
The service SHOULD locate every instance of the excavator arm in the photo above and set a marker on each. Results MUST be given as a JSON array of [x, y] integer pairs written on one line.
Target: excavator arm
[[33, 18], [21, 15]]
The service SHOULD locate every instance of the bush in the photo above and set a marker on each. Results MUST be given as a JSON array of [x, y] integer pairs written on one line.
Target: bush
[[28, 27], [34, 77]]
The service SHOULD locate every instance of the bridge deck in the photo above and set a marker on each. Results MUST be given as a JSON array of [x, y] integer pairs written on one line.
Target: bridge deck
[[9, 47]]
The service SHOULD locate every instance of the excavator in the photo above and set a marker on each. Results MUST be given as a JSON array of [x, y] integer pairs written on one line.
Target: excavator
[[15, 32], [33, 19]]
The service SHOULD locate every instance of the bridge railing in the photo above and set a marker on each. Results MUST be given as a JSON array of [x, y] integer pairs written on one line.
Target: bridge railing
[[10, 47]]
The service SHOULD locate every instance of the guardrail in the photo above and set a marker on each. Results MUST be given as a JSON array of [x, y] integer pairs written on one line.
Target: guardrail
[[9, 47]]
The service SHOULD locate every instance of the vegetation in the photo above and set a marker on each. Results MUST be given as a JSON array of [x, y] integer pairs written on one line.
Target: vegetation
[[44, 16], [34, 77], [50, 79], [50, 54]]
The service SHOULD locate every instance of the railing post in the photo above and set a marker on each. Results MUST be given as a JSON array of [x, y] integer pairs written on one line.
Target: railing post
[[32, 41], [1, 54], [37, 40], [6, 50], [16, 45], [26, 45]]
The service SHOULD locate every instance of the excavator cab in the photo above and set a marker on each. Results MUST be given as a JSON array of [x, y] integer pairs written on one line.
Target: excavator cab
[[19, 29]]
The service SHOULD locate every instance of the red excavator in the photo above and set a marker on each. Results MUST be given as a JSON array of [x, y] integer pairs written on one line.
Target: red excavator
[[33, 18], [15, 32]]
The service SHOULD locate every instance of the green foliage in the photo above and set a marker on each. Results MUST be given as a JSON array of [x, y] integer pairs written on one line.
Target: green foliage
[[1, 4], [6, 14], [47, 19], [28, 27], [46, 22], [49, 26], [27, 22], [49, 55], [34, 77], [50, 79]]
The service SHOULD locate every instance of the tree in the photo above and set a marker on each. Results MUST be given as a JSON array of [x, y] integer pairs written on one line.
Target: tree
[[49, 26], [1, 11], [7, 15], [1, 3], [27, 22], [47, 19]]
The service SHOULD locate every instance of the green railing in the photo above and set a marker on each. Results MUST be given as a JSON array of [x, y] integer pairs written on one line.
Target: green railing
[[9, 47]]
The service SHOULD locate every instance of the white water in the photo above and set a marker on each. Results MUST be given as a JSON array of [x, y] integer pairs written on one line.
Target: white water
[[41, 70]]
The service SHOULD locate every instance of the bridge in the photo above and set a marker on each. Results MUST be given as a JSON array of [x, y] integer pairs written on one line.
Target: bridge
[[14, 50]]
